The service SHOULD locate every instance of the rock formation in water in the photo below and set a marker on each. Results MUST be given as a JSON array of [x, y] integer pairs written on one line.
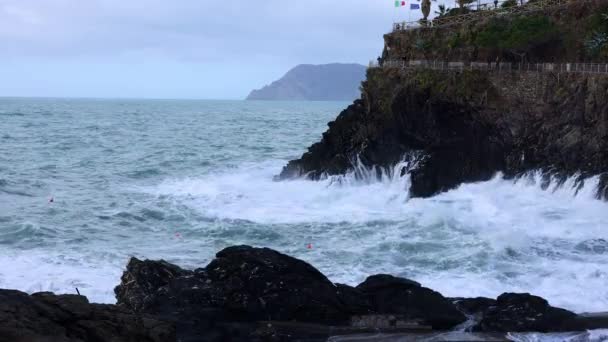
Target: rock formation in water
[[467, 125], [244, 285], [327, 82], [258, 294]]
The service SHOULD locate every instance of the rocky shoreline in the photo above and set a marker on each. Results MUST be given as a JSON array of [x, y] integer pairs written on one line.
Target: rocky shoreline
[[465, 126], [258, 294]]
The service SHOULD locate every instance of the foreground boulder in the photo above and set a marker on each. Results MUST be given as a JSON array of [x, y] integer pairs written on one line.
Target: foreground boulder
[[142, 281], [409, 299], [247, 283], [473, 306], [45, 317], [258, 294], [244, 285], [516, 312], [266, 283], [241, 286], [522, 312]]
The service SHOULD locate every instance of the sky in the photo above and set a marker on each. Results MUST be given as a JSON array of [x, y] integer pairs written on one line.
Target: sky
[[198, 49]]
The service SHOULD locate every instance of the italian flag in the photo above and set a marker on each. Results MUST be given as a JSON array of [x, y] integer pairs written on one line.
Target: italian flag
[[399, 3]]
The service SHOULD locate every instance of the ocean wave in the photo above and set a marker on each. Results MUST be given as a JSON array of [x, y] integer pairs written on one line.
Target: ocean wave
[[144, 173], [16, 192], [480, 239], [25, 234]]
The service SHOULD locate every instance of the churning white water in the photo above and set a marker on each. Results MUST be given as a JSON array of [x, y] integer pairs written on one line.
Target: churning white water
[[481, 239], [180, 180]]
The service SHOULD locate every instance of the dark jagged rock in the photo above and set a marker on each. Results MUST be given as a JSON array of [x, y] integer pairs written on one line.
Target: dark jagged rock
[[465, 126], [355, 301], [241, 286], [392, 295], [45, 317], [266, 283], [513, 312], [141, 281], [516, 312], [382, 281], [258, 294], [593, 320], [473, 306]]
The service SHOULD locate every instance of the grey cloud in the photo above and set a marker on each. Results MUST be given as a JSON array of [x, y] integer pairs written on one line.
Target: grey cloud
[[199, 30]]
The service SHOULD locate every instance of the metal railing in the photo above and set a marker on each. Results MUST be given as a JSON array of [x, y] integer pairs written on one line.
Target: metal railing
[[481, 13], [595, 68]]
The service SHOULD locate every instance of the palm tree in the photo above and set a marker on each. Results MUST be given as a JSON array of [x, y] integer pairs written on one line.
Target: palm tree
[[442, 10], [426, 9]]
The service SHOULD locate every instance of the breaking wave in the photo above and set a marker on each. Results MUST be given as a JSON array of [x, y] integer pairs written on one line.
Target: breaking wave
[[481, 239]]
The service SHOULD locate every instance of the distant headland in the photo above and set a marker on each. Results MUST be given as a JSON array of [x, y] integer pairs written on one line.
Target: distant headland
[[326, 82]]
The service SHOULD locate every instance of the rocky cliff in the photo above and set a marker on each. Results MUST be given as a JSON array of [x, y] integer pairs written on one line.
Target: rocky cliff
[[327, 82], [463, 125]]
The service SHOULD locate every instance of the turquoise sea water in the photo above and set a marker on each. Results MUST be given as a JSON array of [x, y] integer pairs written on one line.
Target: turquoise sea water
[[180, 180]]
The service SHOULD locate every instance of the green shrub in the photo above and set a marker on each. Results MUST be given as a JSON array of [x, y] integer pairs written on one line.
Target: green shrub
[[423, 45], [596, 41], [519, 34], [455, 41], [509, 3]]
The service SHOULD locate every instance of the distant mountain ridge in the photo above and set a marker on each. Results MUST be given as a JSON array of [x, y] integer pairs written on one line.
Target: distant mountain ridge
[[326, 82]]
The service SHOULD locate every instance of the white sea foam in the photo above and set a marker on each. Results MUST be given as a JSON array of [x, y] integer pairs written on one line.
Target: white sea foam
[[251, 194], [51, 271], [481, 239]]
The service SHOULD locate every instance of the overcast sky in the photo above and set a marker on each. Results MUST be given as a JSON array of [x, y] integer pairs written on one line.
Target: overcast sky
[[218, 49]]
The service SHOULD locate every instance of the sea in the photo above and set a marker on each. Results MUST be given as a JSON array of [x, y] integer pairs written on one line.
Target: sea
[[85, 184]]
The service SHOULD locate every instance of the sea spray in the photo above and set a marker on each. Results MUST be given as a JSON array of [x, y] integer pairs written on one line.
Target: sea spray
[[216, 189], [479, 239]]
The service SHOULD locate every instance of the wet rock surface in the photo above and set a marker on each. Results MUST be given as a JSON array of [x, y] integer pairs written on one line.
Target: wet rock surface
[[245, 293], [516, 312], [467, 126], [45, 317], [258, 294], [240, 286], [392, 295]]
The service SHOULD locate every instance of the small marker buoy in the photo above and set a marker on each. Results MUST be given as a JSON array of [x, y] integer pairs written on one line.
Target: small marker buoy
[[51, 200], [309, 246], [178, 235]]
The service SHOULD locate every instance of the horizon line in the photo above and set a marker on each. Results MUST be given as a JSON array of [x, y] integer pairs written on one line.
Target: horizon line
[[3, 97]]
